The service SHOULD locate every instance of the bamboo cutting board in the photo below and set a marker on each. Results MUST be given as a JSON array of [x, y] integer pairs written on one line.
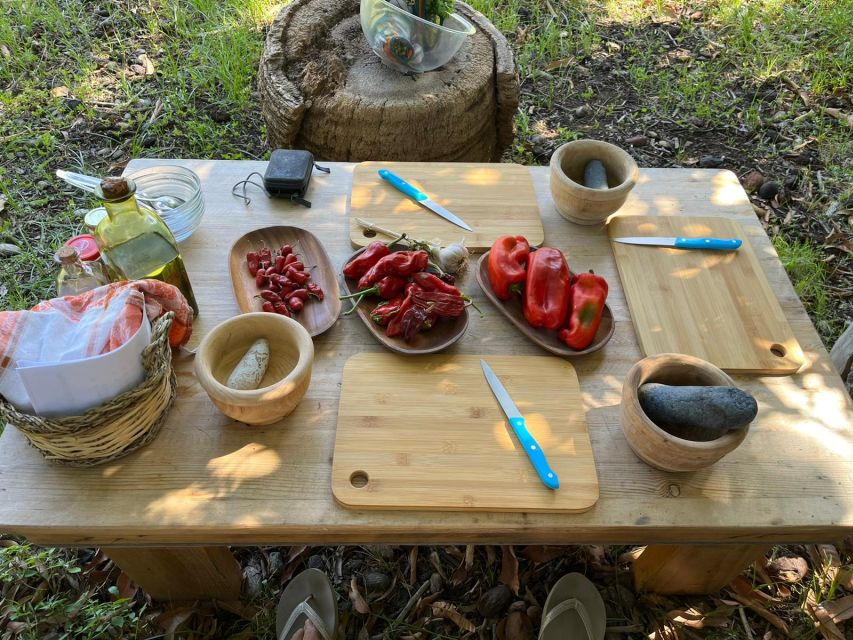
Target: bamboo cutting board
[[494, 199], [426, 433], [715, 305]]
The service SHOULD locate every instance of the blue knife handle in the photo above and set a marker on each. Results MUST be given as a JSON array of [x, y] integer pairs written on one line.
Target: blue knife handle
[[534, 452], [717, 244], [402, 185]]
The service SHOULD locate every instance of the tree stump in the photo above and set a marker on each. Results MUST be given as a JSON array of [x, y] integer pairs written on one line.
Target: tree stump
[[324, 90]]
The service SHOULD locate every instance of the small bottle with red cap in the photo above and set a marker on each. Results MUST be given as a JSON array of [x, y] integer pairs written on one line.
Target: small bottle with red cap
[[75, 275]]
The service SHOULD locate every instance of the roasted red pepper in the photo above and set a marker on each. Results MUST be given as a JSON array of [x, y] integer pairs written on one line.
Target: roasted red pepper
[[399, 263], [546, 290], [384, 311], [431, 282], [360, 265], [508, 260], [446, 305], [387, 288], [587, 295], [395, 327]]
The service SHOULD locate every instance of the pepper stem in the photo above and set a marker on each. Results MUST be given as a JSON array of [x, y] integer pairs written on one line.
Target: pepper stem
[[393, 242], [359, 296], [470, 303]]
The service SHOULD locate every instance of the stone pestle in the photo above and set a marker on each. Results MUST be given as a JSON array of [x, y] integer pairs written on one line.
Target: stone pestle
[[595, 175], [699, 413]]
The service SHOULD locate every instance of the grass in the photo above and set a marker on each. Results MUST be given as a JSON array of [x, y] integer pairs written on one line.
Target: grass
[[714, 80], [808, 273]]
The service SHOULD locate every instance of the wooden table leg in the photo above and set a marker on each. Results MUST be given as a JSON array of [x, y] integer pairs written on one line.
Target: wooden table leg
[[692, 568], [181, 573]]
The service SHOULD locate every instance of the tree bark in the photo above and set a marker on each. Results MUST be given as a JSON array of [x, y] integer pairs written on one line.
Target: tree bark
[[324, 90]]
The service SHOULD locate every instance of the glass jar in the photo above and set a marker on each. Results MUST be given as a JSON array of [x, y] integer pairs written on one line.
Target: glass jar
[[76, 276]]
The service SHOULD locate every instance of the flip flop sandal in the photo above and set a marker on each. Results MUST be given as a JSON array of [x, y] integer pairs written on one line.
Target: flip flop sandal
[[574, 610], [309, 596]]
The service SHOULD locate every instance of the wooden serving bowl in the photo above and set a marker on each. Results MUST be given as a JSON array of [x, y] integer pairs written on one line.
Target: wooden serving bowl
[[288, 374], [661, 449], [581, 204]]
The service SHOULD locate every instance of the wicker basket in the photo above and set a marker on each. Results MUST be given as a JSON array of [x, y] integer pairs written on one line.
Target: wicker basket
[[115, 428]]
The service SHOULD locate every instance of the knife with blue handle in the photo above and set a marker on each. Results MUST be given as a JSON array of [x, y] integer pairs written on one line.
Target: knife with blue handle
[[714, 244], [421, 198], [516, 421]]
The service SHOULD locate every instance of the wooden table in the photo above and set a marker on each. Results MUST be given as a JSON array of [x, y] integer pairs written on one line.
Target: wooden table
[[207, 482]]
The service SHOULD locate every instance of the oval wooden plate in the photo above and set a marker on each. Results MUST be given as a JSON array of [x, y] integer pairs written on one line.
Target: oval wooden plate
[[445, 332], [546, 339], [317, 315]]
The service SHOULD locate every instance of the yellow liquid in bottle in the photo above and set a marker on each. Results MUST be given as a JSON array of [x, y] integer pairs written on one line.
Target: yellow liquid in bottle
[[150, 255]]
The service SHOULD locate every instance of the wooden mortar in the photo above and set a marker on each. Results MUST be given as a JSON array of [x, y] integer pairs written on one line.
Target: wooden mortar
[[581, 204], [285, 381], [661, 449]]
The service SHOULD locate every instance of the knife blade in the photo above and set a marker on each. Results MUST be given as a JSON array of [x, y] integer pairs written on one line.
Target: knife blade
[[714, 244], [422, 199], [516, 421]]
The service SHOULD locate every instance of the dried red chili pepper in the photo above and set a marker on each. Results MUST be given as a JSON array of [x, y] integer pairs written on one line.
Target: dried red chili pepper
[[285, 250], [546, 290], [271, 296], [281, 309], [302, 294], [290, 258], [399, 263], [265, 255], [587, 295], [385, 310], [300, 277], [315, 290], [253, 261], [296, 264], [295, 304], [508, 260], [268, 307], [278, 265], [261, 278]]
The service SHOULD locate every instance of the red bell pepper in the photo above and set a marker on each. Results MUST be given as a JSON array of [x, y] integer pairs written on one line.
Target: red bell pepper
[[546, 290], [508, 265], [587, 296]]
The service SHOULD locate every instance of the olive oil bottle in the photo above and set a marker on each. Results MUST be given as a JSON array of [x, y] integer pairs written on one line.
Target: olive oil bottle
[[135, 242]]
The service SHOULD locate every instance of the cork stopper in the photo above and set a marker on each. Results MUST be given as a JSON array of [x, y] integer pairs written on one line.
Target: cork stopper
[[114, 188], [67, 255]]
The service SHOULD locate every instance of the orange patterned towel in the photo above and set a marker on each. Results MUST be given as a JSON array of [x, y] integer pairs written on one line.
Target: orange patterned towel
[[86, 325]]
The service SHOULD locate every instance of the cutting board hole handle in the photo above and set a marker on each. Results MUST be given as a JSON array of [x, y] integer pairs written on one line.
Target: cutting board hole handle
[[368, 233], [359, 479], [778, 350]]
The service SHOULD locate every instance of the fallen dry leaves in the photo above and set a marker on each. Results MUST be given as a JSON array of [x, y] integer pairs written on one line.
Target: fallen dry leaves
[[509, 569], [358, 601], [447, 611]]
